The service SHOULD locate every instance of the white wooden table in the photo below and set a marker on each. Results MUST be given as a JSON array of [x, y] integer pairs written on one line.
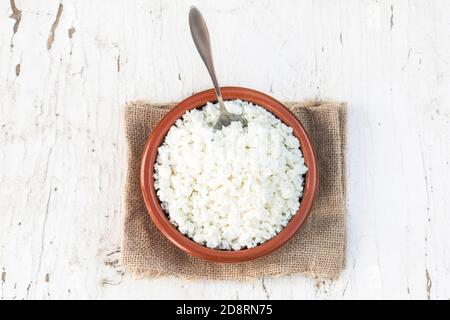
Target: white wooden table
[[66, 70]]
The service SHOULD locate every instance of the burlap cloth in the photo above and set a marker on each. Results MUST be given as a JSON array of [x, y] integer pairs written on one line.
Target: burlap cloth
[[317, 250]]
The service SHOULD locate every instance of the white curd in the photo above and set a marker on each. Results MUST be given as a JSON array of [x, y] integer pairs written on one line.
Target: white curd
[[233, 188]]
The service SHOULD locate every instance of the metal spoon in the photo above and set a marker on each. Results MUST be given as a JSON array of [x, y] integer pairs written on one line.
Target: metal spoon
[[200, 35]]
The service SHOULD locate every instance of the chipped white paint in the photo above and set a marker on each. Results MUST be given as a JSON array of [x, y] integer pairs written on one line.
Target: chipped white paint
[[64, 80]]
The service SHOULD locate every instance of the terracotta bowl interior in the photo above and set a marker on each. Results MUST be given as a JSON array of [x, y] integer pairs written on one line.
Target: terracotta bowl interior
[[160, 218]]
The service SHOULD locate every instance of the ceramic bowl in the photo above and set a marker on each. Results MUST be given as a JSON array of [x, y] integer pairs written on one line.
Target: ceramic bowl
[[160, 218]]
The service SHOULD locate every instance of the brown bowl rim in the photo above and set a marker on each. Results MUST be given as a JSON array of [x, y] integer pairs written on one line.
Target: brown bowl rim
[[160, 218]]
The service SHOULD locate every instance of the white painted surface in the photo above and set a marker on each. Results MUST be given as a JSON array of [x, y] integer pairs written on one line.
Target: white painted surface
[[61, 165]]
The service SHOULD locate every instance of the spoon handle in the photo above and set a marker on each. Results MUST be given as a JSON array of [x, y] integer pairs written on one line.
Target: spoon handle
[[200, 35]]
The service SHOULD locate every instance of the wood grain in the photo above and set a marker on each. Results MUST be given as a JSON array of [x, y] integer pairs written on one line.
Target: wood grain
[[67, 68]]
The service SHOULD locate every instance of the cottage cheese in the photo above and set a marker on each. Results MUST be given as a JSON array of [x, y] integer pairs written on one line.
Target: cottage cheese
[[233, 188]]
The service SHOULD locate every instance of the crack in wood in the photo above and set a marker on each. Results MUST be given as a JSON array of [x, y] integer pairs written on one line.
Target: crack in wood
[[71, 31], [429, 284], [392, 17], [17, 16], [28, 288], [51, 36], [106, 282], [114, 252], [43, 233], [111, 263], [265, 288]]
